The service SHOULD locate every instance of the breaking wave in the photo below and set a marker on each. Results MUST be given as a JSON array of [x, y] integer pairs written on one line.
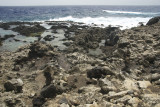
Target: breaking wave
[[128, 12], [124, 22]]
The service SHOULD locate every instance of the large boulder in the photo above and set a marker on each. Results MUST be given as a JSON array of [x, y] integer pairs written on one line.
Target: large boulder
[[153, 20]]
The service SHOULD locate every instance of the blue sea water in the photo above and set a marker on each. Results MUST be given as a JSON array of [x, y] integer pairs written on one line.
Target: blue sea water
[[126, 16]]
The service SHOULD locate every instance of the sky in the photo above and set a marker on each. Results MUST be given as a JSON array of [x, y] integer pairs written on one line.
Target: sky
[[77, 2]]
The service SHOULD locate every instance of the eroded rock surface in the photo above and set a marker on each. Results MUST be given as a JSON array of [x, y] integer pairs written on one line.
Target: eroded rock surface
[[126, 74]]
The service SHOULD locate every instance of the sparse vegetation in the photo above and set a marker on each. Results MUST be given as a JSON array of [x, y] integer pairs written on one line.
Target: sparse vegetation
[[38, 34]]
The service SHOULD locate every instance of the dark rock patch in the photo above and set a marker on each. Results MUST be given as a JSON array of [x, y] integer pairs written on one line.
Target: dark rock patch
[[5, 26], [86, 37], [37, 58], [49, 91], [39, 50], [17, 40], [59, 26], [49, 38], [7, 36], [112, 36], [122, 45], [29, 31], [99, 72], [0, 42], [48, 75], [38, 101], [14, 85], [153, 21]]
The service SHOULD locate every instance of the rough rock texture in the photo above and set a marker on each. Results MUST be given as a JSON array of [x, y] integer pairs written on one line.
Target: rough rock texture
[[99, 72], [4, 26], [14, 84], [49, 91], [153, 21], [112, 37], [29, 30], [125, 75], [89, 38]]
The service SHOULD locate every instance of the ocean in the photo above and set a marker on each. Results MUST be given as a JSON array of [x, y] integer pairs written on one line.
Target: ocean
[[125, 16]]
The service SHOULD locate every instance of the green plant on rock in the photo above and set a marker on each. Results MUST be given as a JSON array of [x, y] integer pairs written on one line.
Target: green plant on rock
[[38, 34]]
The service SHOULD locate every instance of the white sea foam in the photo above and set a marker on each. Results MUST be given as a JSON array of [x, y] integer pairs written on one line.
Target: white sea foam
[[125, 22], [127, 12], [110, 11]]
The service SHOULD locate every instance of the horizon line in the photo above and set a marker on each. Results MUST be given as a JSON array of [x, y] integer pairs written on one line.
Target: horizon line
[[72, 5]]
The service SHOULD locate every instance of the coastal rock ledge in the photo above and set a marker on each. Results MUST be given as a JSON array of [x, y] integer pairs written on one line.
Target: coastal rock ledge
[[125, 72]]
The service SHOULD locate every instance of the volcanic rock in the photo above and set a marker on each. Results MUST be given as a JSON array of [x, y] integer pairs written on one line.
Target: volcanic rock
[[49, 91], [28, 30], [99, 72], [153, 21], [39, 49], [38, 101], [49, 38]]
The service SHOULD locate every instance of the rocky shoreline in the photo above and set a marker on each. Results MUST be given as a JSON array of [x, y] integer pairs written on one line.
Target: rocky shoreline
[[88, 66]]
